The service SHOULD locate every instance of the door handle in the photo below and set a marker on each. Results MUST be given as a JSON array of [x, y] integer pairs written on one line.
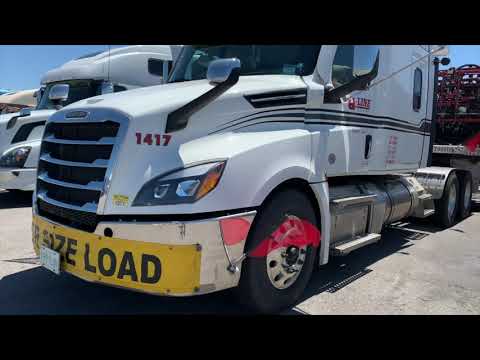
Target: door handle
[[368, 146]]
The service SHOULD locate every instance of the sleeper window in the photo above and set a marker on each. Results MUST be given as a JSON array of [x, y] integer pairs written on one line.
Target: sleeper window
[[417, 89], [155, 67]]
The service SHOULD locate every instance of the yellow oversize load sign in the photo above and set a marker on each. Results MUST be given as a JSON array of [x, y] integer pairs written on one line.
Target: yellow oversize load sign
[[151, 267]]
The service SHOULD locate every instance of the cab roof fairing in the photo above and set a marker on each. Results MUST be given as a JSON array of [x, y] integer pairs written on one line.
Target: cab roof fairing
[[95, 67]]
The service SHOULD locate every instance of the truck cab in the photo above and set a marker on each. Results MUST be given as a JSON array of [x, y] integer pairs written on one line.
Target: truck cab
[[252, 165], [93, 74]]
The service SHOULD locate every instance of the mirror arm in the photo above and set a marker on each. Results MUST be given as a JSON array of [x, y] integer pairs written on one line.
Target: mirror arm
[[178, 119]]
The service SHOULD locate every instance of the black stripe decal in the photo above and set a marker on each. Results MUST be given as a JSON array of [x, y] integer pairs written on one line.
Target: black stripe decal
[[358, 114], [368, 126], [361, 117], [25, 130], [298, 108], [353, 119], [325, 123], [341, 120], [286, 115]]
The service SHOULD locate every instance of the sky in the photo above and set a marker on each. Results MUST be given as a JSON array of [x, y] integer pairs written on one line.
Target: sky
[[22, 66]]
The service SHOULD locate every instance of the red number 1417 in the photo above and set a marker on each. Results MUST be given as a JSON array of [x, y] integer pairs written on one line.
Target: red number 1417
[[150, 139]]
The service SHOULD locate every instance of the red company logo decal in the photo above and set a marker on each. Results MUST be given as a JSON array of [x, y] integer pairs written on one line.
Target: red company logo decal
[[359, 103]]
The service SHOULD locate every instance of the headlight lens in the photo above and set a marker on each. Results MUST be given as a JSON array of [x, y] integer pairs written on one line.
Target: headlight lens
[[181, 187], [15, 157]]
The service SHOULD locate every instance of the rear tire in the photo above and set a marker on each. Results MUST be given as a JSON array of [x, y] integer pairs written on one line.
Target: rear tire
[[446, 208], [465, 206], [258, 289]]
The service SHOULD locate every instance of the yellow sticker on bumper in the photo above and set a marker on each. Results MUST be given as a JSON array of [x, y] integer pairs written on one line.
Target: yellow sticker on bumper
[[151, 267], [120, 200]]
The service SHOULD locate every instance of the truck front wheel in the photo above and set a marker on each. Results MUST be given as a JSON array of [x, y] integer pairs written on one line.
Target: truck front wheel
[[281, 250]]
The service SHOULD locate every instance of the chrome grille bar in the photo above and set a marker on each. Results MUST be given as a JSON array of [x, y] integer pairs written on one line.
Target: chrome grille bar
[[93, 185], [102, 141], [99, 163], [89, 207]]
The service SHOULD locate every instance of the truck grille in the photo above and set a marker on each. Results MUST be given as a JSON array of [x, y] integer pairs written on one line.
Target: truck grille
[[74, 218], [74, 161]]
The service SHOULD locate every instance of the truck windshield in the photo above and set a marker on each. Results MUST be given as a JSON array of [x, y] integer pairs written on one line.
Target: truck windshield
[[255, 59], [79, 90]]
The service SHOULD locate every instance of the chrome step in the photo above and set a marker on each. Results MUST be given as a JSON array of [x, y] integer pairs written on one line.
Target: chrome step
[[425, 206], [347, 247], [425, 197], [427, 213]]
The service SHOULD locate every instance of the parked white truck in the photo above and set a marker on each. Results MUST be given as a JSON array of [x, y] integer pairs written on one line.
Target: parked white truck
[[98, 73], [253, 165]]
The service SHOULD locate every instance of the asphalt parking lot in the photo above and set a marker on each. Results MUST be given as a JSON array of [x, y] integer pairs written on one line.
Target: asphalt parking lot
[[415, 269]]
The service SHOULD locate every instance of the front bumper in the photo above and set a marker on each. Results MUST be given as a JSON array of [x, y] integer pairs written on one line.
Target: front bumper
[[186, 258], [18, 179]]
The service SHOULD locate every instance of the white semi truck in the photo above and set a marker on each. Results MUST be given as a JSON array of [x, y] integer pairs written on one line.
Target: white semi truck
[[98, 73], [252, 166]]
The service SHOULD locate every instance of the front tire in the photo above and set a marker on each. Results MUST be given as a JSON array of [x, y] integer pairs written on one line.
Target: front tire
[[274, 277], [446, 208]]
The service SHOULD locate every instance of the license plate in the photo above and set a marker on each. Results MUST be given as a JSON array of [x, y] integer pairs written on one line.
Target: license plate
[[50, 259], [140, 265]]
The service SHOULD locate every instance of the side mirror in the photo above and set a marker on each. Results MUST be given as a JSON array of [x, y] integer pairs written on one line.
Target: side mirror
[[224, 73], [360, 82], [59, 92], [223, 70], [37, 95], [25, 112]]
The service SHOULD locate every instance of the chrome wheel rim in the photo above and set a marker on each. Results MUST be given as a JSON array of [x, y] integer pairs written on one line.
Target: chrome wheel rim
[[283, 273], [452, 200], [285, 259]]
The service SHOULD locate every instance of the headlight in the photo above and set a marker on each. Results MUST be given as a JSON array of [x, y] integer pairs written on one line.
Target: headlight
[[15, 157], [181, 187]]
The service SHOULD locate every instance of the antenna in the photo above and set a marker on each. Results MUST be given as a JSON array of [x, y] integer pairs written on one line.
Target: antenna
[[108, 71], [438, 50]]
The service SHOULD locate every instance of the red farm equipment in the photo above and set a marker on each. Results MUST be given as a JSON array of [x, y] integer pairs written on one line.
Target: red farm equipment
[[458, 104]]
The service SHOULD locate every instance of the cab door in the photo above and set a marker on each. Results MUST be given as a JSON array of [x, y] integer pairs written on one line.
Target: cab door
[[406, 84], [350, 141]]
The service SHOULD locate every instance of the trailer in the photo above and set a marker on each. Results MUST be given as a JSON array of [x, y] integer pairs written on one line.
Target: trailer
[[458, 122], [111, 71], [251, 167]]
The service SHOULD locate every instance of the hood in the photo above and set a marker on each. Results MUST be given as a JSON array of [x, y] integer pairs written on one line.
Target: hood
[[6, 136], [148, 109], [5, 117], [168, 97]]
